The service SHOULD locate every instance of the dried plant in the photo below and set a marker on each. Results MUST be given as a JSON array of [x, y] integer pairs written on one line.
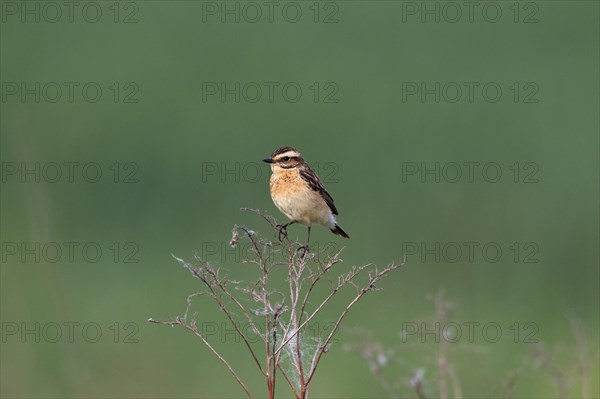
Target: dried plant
[[378, 358], [282, 317], [578, 357], [584, 357], [571, 379], [447, 371]]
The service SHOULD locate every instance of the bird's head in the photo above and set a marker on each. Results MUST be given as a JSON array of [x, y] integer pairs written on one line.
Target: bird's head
[[284, 158]]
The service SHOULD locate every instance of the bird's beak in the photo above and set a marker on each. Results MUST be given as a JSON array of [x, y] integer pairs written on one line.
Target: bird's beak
[[268, 160]]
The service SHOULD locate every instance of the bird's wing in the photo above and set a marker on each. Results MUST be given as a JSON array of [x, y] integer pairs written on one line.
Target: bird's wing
[[315, 184]]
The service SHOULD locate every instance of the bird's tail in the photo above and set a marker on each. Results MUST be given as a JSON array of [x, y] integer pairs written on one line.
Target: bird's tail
[[338, 230]]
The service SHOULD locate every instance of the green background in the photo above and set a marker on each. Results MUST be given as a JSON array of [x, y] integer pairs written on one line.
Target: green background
[[360, 143]]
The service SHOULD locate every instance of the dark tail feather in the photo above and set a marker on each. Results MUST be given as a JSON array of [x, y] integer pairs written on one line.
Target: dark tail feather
[[338, 230]]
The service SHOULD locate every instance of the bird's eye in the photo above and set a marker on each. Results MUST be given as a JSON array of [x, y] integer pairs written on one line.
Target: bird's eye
[[285, 159]]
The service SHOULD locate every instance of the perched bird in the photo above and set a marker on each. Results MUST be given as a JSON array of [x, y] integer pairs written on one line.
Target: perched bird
[[299, 194]]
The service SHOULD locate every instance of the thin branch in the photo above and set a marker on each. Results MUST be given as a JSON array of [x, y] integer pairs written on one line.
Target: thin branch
[[332, 261], [270, 219], [416, 381], [509, 385], [217, 299], [193, 328], [343, 280], [370, 286]]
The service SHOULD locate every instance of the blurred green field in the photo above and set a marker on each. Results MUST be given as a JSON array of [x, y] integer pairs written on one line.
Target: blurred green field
[[179, 145]]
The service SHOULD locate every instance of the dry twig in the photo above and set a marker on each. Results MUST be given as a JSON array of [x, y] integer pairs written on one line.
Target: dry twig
[[285, 317]]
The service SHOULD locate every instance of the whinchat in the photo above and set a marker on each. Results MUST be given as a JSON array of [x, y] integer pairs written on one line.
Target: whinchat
[[299, 194]]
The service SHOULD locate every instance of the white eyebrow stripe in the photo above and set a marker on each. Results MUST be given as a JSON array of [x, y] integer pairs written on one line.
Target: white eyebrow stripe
[[290, 154]]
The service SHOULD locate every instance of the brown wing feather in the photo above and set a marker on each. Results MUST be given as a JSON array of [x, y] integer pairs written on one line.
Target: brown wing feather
[[315, 184]]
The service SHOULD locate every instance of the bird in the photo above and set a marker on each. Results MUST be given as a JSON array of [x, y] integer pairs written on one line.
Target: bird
[[298, 193]]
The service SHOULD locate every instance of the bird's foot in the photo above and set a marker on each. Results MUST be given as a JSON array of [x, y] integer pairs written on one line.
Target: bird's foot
[[304, 249], [283, 234]]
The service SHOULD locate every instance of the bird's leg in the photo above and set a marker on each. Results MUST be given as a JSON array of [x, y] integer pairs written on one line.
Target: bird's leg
[[283, 230], [304, 248]]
